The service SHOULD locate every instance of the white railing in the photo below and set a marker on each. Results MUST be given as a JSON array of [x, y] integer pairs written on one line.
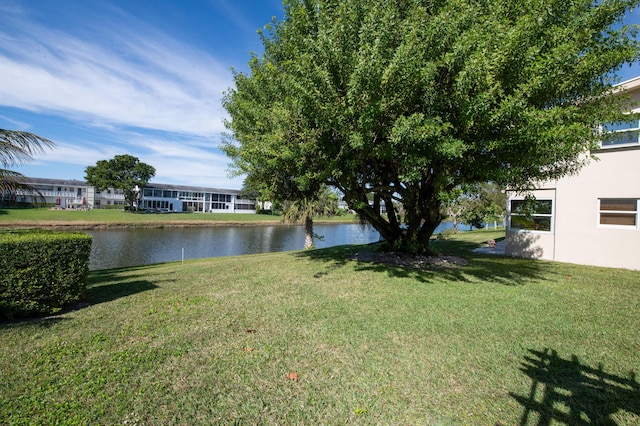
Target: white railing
[[61, 194], [109, 196]]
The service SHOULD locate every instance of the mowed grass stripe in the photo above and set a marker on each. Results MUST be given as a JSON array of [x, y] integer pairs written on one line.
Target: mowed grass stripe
[[315, 338]]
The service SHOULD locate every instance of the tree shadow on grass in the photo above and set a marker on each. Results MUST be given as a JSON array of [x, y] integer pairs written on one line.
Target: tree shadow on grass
[[107, 285], [42, 322], [568, 392], [111, 292], [453, 247], [481, 268], [103, 287]]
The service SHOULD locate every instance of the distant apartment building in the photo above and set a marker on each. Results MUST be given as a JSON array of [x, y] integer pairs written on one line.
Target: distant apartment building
[[74, 194], [180, 198]]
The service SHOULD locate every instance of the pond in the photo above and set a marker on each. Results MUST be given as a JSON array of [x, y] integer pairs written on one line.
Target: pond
[[132, 247]]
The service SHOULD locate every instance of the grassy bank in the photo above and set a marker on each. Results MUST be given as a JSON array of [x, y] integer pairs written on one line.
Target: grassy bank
[[315, 338], [99, 218]]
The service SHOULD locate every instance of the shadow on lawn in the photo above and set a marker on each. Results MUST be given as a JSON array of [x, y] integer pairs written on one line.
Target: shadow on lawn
[[42, 322], [104, 286], [484, 268], [569, 392]]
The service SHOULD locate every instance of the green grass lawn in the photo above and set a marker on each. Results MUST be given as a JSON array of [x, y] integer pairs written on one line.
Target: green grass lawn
[[315, 338], [109, 217], [113, 217]]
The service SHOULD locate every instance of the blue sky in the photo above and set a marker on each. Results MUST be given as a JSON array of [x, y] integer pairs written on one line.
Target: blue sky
[[138, 77]]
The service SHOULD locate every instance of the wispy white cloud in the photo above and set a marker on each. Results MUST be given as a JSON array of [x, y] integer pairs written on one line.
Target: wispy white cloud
[[199, 174], [231, 11], [177, 159], [15, 124], [81, 155], [132, 75], [181, 161], [186, 160], [127, 88]]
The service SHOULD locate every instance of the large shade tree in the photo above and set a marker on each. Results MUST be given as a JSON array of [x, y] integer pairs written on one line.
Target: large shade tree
[[124, 172], [406, 100], [17, 147]]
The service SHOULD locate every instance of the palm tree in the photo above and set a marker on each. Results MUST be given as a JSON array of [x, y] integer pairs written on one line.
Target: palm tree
[[16, 148], [324, 203]]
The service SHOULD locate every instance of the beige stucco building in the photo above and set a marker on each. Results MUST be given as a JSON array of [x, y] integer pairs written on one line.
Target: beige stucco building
[[592, 218]]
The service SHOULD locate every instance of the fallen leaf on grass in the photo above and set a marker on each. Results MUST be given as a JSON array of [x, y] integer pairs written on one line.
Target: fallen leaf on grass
[[248, 349], [360, 411]]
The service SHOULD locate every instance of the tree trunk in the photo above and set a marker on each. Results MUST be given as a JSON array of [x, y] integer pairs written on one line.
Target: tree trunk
[[422, 217], [454, 217], [308, 233]]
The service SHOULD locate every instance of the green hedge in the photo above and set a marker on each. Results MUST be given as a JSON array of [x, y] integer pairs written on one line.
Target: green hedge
[[41, 272]]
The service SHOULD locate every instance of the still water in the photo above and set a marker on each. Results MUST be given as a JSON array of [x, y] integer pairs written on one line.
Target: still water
[[132, 247]]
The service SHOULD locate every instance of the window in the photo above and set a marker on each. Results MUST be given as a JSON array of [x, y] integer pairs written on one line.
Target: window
[[221, 197], [619, 211], [249, 206], [531, 214], [625, 133]]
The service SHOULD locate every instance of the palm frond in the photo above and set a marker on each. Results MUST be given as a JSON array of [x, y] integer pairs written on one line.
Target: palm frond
[[13, 182], [17, 147]]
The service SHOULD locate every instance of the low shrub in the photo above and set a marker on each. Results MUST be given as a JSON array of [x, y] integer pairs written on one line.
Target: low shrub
[[41, 272], [17, 205], [446, 234], [111, 207]]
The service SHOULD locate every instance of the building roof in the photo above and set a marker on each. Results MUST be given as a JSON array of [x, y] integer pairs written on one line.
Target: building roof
[[630, 84], [168, 187], [56, 182]]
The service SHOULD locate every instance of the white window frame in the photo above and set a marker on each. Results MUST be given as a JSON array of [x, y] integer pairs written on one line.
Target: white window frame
[[551, 216], [625, 130], [625, 212]]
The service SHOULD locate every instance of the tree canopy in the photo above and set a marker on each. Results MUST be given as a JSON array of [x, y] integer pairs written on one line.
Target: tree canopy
[[483, 203], [124, 172], [407, 100]]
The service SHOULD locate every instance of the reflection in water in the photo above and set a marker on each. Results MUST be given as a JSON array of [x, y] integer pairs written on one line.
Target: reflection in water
[[132, 247]]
